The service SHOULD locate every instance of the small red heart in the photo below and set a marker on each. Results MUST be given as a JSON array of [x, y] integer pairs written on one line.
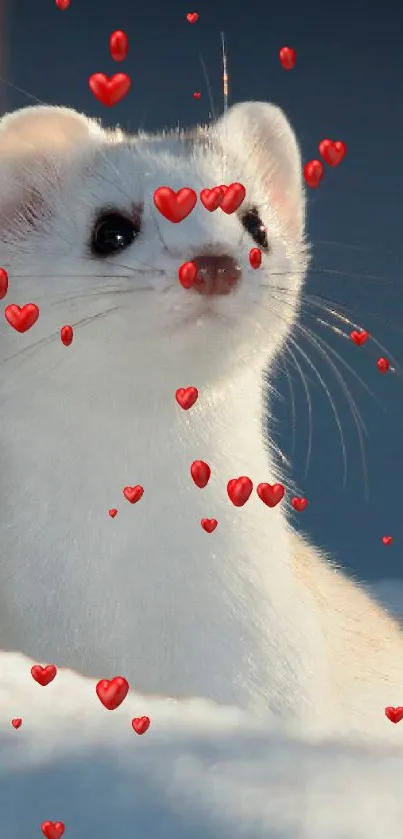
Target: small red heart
[[211, 198], [232, 198], [17, 722], [270, 494], [200, 472], [192, 17], [255, 257], [141, 724], [3, 283], [22, 318], [383, 365], [186, 397], [66, 335], [111, 90], [332, 152], [187, 274], [118, 45], [113, 512], [112, 692], [52, 830], [62, 4], [133, 494], [299, 504], [239, 490], [313, 173], [359, 338], [196, 94], [43, 675], [387, 540], [288, 57], [175, 206], [394, 714], [209, 524]]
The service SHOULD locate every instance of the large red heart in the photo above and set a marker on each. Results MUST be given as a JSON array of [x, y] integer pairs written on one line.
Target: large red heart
[[133, 494], [270, 494], [186, 397], [112, 692], [175, 206], [111, 90], [21, 318], [332, 152], [394, 714], [233, 198]]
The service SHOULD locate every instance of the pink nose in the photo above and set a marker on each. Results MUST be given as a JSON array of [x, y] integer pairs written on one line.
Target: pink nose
[[216, 274]]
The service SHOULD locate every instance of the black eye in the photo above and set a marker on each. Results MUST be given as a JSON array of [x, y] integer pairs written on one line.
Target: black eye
[[113, 232], [254, 226]]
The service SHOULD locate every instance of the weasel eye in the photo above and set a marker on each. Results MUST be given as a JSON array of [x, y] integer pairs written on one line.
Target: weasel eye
[[254, 226], [112, 233]]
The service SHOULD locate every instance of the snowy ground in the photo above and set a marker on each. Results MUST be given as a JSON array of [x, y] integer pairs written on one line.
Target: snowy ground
[[199, 772]]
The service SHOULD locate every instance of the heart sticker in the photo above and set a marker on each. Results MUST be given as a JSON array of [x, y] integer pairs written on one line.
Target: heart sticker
[[270, 494], [21, 318], [239, 490], [43, 675], [394, 714], [187, 274], [52, 830], [111, 90], [255, 258], [113, 512], [118, 45], [133, 494], [3, 283], [299, 504], [233, 197], [288, 57], [332, 152], [112, 692], [209, 524], [17, 722], [186, 397], [141, 724], [175, 206], [66, 335], [313, 173], [192, 17], [200, 472], [211, 198], [359, 338]]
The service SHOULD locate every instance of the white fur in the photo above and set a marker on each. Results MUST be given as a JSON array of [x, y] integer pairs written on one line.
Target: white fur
[[232, 616]]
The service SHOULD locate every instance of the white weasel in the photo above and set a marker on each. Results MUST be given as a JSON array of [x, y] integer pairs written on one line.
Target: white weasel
[[250, 615]]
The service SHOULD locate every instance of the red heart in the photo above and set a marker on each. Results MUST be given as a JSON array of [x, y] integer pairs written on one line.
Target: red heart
[[383, 365], [22, 318], [239, 490], [52, 830], [332, 152], [62, 4], [111, 90], [133, 494], [359, 338], [17, 722], [394, 714], [118, 45], [3, 283], [270, 494], [299, 504], [200, 472], [192, 17], [175, 206], [211, 198], [232, 198], [113, 692], [288, 57], [387, 540], [186, 397], [209, 524], [196, 95], [187, 274], [43, 675], [255, 257], [113, 512], [66, 335], [313, 173], [141, 724]]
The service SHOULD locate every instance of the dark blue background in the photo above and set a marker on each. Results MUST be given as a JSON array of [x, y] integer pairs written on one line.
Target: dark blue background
[[347, 85]]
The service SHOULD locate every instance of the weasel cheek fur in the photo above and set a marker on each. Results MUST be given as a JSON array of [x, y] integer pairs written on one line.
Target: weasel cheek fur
[[250, 614]]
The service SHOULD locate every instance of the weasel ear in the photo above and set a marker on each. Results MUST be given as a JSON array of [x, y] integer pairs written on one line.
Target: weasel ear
[[35, 148], [261, 133], [42, 128]]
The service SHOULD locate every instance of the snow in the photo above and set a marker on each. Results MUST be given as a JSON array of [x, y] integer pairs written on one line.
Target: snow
[[199, 772]]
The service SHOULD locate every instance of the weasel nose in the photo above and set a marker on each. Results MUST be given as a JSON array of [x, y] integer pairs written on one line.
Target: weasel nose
[[216, 274]]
